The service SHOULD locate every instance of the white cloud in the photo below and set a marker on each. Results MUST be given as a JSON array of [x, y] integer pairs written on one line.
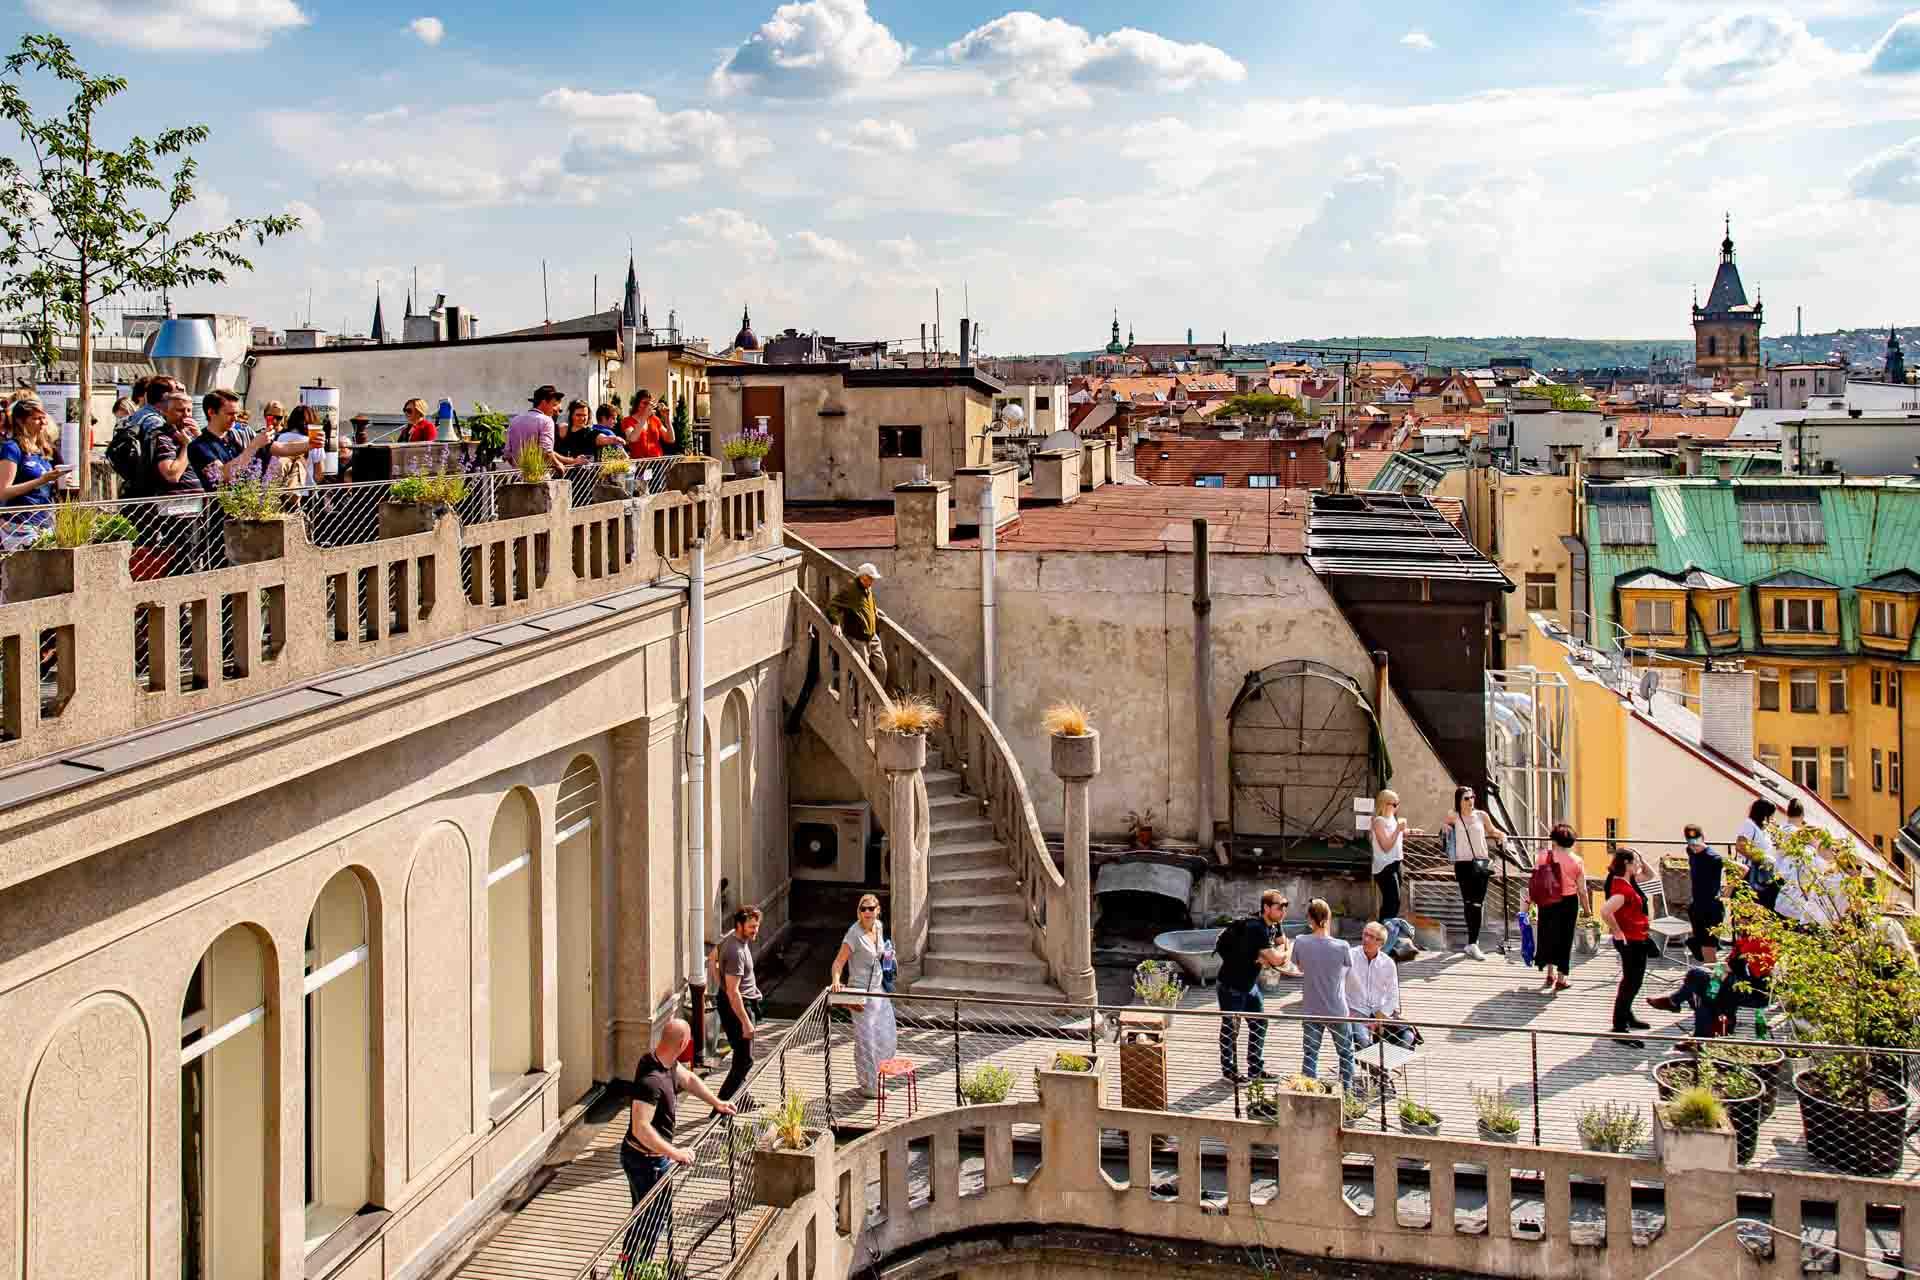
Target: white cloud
[[1892, 175], [621, 132], [1743, 48], [998, 151], [730, 229], [202, 25], [1417, 40], [415, 178], [1898, 51], [313, 227], [873, 136], [389, 116], [819, 248], [1026, 53], [430, 30], [812, 49]]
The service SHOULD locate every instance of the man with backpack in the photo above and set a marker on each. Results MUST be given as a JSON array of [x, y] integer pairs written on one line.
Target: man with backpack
[[130, 450], [1243, 947]]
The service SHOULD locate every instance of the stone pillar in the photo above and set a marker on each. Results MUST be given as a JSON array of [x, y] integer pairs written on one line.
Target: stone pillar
[[903, 758], [1076, 759], [641, 842]]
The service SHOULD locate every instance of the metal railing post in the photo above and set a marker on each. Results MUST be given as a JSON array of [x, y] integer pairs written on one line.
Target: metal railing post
[[958, 1098], [783, 1069], [733, 1192], [1533, 1039], [826, 1055], [1381, 1042]]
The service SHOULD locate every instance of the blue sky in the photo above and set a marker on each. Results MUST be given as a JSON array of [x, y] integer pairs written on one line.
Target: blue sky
[[1267, 170]]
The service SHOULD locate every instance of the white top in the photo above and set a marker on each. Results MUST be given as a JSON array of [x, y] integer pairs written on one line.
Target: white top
[[1757, 836], [863, 957], [1796, 902], [1385, 856], [1473, 848], [1373, 986]]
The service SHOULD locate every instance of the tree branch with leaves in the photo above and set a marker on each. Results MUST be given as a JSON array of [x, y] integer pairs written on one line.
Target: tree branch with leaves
[[82, 223]]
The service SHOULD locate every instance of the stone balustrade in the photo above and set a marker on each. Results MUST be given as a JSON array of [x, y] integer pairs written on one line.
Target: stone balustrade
[[87, 653], [902, 1198]]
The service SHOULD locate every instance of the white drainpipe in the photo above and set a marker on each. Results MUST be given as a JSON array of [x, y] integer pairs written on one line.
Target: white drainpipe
[[989, 540], [697, 778]]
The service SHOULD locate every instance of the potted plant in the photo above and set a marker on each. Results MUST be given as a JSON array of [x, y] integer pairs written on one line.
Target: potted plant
[[1612, 1126], [789, 1167], [986, 1085], [415, 503], [617, 476], [1140, 828], [1356, 1106], [488, 430], [1499, 1119], [1847, 984], [531, 494], [48, 567], [1586, 930], [1262, 1103], [1076, 743], [1143, 1038], [747, 450], [1737, 1089], [1067, 1060], [255, 527], [1692, 1132], [1419, 1119], [1763, 1060], [901, 743]]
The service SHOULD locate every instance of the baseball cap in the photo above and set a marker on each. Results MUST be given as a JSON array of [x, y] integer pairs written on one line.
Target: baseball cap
[[867, 571], [546, 391]]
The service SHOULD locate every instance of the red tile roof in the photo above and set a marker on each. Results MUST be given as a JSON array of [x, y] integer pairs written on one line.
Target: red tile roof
[[1233, 460]]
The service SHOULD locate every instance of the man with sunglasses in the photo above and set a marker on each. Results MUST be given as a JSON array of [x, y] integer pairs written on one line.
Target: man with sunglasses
[[1243, 947]]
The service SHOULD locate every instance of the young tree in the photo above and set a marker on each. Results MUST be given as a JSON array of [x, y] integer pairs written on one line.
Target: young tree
[[682, 427], [85, 223]]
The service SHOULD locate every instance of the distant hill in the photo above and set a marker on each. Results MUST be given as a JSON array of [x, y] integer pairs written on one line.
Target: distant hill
[[1861, 347]]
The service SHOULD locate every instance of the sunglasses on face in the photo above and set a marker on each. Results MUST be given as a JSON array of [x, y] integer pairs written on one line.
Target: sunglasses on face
[[867, 909]]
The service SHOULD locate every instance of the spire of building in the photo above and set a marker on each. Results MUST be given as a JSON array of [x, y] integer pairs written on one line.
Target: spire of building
[[409, 314], [379, 331], [630, 298], [1896, 357], [1113, 344], [1726, 245]]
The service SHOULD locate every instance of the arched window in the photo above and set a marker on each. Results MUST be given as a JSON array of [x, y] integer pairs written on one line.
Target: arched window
[[1743, 344], [511, 955], [226, 1089], [733, 801], [339, 1058]]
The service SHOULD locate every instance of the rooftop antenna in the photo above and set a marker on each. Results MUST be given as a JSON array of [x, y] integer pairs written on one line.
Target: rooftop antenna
[[596, 293], [937, 349], [546, 303]]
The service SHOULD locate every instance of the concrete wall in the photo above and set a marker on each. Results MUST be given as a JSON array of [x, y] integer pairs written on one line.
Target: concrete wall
[[238, 837], [1114, 632], [381, 379], [832, 434]]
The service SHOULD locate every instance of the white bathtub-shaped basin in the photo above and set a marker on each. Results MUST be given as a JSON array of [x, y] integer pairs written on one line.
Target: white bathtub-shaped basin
[[1192, 950]]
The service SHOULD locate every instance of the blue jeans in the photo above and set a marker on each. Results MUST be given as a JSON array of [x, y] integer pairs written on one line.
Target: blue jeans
[[1234, 1000], [643, 1172], [1342, 1032], [1391, 1032], [1708, 1009], [1397, 928]]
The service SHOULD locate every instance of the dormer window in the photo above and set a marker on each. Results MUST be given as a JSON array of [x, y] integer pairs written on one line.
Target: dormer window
[[1771, 516], [1887, 608], [1798, 610], [1653, 617], [1626, 523], [1799, 614]]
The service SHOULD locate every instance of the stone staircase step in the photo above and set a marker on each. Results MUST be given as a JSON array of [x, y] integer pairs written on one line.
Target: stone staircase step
[[989, 989], [951, 806], [966, 857], [969, 908], [977, 966], [941, 782], [969, 881], [1011, 935], [959, 829]]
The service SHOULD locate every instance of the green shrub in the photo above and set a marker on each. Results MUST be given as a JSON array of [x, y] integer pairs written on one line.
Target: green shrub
[[1064, 1061], [1612, 1126], [1495, 1112], [1696, 1108], [1412, 1112], [531, 462], [429, 489], [988, 1084]]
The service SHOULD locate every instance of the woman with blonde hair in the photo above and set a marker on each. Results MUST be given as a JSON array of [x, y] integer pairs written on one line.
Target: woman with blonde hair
[[27, 474], [419, 428], [1388, 833], [864, 957]]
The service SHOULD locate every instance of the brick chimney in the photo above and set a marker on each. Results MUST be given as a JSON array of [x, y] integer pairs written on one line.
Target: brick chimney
[[1726, 710]]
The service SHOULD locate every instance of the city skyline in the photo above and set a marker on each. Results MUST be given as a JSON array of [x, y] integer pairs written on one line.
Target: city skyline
[[830, 163]]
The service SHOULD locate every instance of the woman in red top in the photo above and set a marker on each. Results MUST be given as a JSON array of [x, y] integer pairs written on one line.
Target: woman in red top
[[646, 438], [1625, 912], [419, 428]]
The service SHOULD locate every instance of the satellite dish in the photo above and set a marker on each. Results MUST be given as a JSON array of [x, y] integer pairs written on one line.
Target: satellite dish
[[1061, 440], [1013, 415], [1649, 685]]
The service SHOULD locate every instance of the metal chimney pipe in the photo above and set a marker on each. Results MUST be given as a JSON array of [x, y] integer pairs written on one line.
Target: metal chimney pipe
[[697, 782], [966, 339], [989, 543], [1203, 686]]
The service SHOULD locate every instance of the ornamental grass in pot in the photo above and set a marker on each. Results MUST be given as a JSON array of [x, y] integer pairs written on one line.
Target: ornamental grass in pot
[[1851, 982], [1736, 1088]]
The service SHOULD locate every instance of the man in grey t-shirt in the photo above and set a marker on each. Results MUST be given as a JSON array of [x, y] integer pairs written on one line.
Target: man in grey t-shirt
[[1324, 961], [739, 995]]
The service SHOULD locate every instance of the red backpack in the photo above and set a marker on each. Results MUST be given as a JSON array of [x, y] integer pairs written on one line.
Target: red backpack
[[1543, 886]]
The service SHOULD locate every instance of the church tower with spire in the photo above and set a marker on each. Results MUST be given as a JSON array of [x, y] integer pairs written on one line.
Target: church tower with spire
[[1726, 331], [1896, 358]]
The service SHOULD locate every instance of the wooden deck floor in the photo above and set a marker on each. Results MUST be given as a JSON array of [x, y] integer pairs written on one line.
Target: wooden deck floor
[[1520, 1050]]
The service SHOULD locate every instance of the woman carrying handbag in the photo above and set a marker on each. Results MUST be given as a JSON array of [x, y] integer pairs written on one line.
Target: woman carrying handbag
[[864, 958]]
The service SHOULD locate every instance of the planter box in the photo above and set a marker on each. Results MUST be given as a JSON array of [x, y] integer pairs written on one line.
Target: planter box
[[1491, 1135], [404, 519], [745, 467], [255, 541], [52, 571], [692, 471], [1420, 1130], [1143, 1061], [1692, 1150], [782, 1177], [900, 752], [520, 500], [1745, 1114], [1076, 757]]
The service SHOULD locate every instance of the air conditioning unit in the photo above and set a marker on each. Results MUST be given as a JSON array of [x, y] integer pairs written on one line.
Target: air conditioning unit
[[829, 842]]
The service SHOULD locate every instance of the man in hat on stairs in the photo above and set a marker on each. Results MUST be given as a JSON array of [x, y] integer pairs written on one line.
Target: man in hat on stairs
[[854, 611]]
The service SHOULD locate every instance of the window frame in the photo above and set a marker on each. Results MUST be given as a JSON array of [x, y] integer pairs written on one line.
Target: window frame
[[896, 434], [1768, 678], [1837, 691], [1891, 610], [1838, 778], [1894, 778], [1723, 615], [1803, 690], [1879, 770], [1542, 592], [1621, 523], [1210, 480], [1255, 480], [1873, 683], [1783, 522], [1768, 755], [1803, 765], [1654, 605]]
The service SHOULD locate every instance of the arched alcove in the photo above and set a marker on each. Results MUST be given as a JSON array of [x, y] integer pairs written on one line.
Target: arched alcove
[[340, 1012], [513, 858], [227, 1092], [577, 818]]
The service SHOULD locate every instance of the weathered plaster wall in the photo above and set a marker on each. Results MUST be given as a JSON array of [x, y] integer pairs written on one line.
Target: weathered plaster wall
[[381, 379], [1114, 632]]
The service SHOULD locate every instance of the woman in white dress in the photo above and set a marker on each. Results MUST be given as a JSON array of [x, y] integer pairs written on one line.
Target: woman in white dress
[[875, 1034]]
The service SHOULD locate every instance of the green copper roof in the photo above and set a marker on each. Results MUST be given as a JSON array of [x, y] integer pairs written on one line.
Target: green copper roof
[[1872, 529]]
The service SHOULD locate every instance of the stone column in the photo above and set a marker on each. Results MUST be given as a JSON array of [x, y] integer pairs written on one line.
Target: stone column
[[1076, 759], [903, 758]]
